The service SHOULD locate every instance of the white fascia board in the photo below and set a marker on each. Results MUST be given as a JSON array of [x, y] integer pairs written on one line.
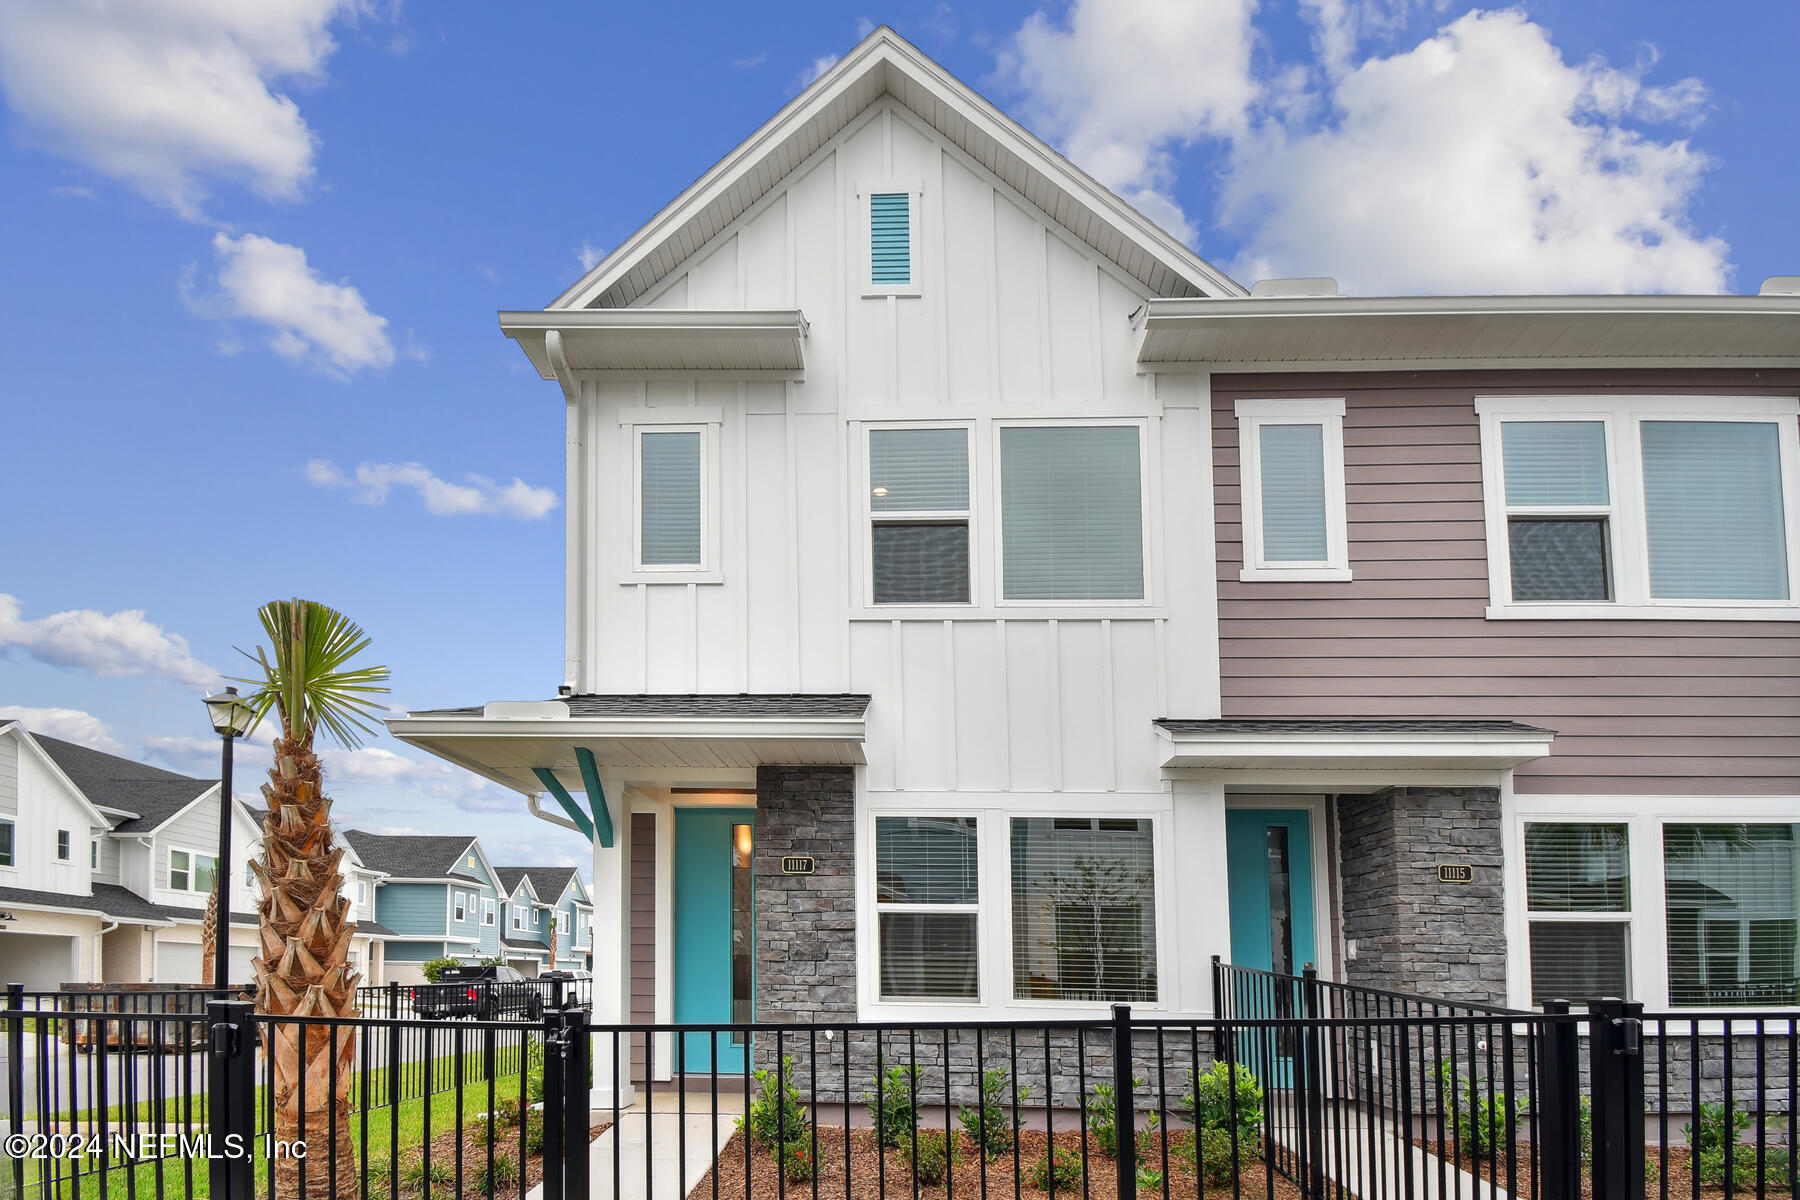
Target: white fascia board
[[576, 729], [98, 818], [670, 327], [1187, 310], [1356, 751]]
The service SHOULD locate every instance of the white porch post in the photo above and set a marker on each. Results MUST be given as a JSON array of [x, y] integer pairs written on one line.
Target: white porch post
[[612, 950]]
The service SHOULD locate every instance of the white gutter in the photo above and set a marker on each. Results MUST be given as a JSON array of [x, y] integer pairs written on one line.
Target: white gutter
[[1225, 308]]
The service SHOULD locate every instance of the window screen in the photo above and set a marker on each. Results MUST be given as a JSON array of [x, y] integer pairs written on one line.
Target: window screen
[[926, 892], [1733, 914], [1572, 868], [1072, 513], [1084, 909], [1559, 559], [669, 503], [890, 237], [1292, 467], [1550, 465], [1713, 508]]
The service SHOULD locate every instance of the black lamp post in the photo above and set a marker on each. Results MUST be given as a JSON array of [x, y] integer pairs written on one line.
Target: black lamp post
[[231, 716]]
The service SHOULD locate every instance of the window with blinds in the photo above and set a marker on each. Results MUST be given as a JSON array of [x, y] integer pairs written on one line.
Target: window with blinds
[[1733, 914], [1713, 510], [890, 238], [1291, 489], [926, 894], [1558, 503], [1084, 909], [1578, 897], [1293, 493], [1072, 517], [669, 498], [919, 515]]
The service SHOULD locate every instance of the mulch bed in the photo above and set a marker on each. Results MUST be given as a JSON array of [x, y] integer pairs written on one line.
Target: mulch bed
[[867, 1163], [1670, 1172], [474, 1140]]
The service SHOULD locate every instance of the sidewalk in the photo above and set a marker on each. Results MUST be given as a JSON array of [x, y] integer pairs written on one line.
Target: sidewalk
[[658, 1171]]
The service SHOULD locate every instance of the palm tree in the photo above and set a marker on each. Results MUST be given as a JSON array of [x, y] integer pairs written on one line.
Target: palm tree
[[302, 969], [553, 941]]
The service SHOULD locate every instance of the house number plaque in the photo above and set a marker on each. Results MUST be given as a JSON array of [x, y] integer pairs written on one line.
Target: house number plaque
[[798, 864], [1448, 873]]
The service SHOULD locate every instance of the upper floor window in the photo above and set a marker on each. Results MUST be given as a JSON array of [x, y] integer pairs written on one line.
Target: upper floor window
[[65, 842], [1071, 512], [919, 515], [460, 908], [518, 918], [362, 891], [94, 855], [6, 843], [669, 500], [1641, 506], [1291, 473], [889, 235], [487, 910], [190, 872]]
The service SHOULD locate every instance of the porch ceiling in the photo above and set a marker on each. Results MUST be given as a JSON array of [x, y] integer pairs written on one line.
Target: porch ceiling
[[1351, 745]]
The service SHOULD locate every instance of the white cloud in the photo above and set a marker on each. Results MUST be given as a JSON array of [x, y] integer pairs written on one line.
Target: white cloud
[[312, 321], [589, 254], [751, 61], [1121, 85], [816, 68], [121, 643], [170, 95], [69, 724], [1479, 161], [476, 495]]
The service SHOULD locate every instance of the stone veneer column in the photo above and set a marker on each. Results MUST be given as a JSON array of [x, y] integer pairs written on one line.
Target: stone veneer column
[[805, 924], [1413, 933]]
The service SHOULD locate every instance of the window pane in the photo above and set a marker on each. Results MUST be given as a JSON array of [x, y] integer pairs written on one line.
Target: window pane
[[1577, 960], [923, 563], [928, 955], [203, 873], [1084, 910], [890, 238], [671, 499], [6, 844], [1072, 512], [1293, 493], [919, 470], [1555, 463], [1559, 559], [1577, 868], [1712, 503], [1733, 914], [925, 860]]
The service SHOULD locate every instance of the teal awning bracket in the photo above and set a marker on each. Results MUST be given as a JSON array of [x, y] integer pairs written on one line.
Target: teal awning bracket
[[596, 796], [555, 788]]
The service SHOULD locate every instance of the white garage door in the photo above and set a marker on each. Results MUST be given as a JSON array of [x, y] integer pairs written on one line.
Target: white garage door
[[179, 962], [40, 961]]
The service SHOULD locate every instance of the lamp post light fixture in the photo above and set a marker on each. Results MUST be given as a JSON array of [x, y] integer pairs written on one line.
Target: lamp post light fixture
[[231, 717]]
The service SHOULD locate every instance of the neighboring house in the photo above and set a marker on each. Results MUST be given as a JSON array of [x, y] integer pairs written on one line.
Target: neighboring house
[[534, 897], [439, 898], [977, 606]]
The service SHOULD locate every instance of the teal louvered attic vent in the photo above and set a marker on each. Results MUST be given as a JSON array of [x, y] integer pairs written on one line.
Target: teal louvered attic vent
[[890, 237]]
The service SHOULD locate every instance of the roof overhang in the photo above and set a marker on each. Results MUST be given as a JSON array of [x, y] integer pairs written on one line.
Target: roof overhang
[[769, 342], [1336, 333], [1351, 746], [506, 742]]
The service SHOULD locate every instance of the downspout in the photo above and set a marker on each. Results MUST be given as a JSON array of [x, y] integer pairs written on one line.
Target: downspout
[[542, 814]]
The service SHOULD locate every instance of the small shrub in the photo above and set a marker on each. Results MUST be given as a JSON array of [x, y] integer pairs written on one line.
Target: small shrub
[[797, 1161], [894, 1105], [1714, 1127], [934, 1155], [534, 1132], [375, 1167], [1103, 1117], [534, 1086], [1149, 1179], [1208, 1102], [413, 1174], [991, 1126], [433, 969], [1059, 1162], [777, 1113], [500, 1172], [1215, 1161], [506, 1111], [1485, 1118]]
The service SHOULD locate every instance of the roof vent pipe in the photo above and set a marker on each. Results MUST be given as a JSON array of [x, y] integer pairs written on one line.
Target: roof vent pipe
[[1780, 285], [1283, 289]]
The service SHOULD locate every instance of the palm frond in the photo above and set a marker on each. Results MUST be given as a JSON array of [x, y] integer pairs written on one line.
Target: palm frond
[[305, 676]]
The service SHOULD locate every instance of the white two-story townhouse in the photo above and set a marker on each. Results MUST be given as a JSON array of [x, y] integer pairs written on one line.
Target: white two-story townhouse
[[979, 607]]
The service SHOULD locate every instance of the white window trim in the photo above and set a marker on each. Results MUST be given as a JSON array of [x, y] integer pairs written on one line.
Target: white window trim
[[879, 906], [518, 918], [871, 518], [194, 857], [1628, 918], [488, 909], [459, 907], [65, 845], [1627, 532], [1327, 413], [1645, 816], [997, 556], [94, 854], [863, 231], [706, 422]]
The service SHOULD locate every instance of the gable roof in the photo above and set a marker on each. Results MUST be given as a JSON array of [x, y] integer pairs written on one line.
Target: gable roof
[[511, 877], [150, 794], [885, 64], [410, 856], [547, 882]]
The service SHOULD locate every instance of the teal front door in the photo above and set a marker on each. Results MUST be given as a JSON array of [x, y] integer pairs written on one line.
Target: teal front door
[[714, 944], [1268, 856]]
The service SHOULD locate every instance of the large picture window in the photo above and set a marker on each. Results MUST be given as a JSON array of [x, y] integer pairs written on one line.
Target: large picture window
[[1084, 909], [926, 896], [1578, 895], [1072, 512], [1733, 914], [919, 515]]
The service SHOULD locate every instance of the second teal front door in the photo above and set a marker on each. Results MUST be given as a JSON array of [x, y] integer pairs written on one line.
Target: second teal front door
[[714, 938], [1268, 862]]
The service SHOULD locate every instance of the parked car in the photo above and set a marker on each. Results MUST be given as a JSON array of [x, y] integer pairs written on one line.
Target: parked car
[[487, 993]]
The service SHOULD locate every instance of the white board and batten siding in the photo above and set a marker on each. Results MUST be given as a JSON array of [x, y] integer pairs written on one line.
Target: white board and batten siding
[[43, 804], [196, 831], [1015, 319]]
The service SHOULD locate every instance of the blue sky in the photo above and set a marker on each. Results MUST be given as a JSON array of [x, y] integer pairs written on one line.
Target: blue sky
[[253, 254]]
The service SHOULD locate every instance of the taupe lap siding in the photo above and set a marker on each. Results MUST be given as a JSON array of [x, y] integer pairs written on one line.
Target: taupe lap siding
[[643, 932], [1669, 707]]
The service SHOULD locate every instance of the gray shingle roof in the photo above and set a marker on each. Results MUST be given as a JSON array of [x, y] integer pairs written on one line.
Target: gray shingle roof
[[373, 929], [509, 878], [114, 901], [408, 856], [840, 705], [109, 781], [526, 944], [549, 881], [1272, 725]]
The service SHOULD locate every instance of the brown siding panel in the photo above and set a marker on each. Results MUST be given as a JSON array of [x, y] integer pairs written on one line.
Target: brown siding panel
[[1668, 707], [643, 932]]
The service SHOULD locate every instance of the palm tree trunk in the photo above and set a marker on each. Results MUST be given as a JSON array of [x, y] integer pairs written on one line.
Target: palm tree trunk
[[209, 935], [303, 971]]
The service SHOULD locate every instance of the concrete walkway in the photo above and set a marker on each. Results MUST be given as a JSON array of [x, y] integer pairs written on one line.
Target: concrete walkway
[[660, 1172], [1382, 1175]]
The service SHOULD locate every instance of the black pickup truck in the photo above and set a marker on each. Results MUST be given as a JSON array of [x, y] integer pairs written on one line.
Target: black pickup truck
[[483, 992]]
